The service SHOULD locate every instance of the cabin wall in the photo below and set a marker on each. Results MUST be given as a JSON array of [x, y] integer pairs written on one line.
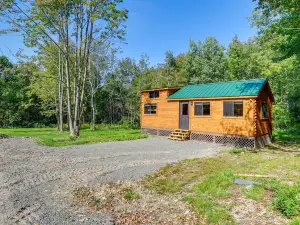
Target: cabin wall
[[263, 125], [217, 123], [167, 116], [167, 112]]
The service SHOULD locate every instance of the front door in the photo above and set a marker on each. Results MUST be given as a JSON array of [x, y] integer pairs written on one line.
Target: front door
[[184, 115]]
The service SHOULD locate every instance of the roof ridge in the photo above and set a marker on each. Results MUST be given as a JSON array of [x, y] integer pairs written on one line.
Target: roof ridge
[[221, 82], [249, 87]]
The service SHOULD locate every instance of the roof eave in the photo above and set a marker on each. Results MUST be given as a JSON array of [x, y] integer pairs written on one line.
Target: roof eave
[[219, 97]]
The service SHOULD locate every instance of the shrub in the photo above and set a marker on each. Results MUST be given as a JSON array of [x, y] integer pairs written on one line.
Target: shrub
[[85, 126]]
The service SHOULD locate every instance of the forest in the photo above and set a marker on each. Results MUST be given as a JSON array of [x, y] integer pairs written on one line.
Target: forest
[[76, 78]]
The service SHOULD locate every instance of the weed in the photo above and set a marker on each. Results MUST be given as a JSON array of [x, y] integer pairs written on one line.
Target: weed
[[236, 151], [164, 186], [217, 184], [255, 192], [287, 199], [295, 221], [130, 194], [203, 202]]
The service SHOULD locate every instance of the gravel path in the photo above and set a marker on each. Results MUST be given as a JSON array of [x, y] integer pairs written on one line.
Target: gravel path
[[36, 181]]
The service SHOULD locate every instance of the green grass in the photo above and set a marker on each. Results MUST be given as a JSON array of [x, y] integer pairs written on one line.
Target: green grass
[[287, 199], [130, 194], [50, 137], [255, 192], [295, 221], [207, 182], [215, 186]]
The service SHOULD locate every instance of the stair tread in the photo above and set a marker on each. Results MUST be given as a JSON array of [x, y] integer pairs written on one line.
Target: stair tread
[[179, 135], [176, 135], [175, 138]]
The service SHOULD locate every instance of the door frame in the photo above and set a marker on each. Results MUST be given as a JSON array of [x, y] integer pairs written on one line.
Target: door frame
[[179, 114]]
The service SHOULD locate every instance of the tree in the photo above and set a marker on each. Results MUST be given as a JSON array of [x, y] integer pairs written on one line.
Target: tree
[[72, 26], [169, 67], [206, 62], [244, 61], [5, 66], [279, 18]]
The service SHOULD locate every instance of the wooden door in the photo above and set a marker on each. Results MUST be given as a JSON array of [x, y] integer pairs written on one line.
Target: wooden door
[[184, 115]]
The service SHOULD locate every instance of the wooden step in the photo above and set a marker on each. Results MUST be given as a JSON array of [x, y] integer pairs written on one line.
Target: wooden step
[[181, 131], [179, 135], [176, 138]]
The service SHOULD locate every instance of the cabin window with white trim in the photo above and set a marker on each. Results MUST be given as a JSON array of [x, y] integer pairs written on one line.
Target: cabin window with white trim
[[154, 94], [264, 110], [202, 109], [150, 109], [234, 109]]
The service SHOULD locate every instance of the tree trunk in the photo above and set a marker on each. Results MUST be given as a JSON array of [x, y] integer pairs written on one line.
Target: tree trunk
[[57, 114], [68, 83], [60, 95], [93, 123]]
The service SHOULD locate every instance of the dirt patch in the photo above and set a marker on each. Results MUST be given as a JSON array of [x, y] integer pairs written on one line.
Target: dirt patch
[[144, 207], [248, 211]]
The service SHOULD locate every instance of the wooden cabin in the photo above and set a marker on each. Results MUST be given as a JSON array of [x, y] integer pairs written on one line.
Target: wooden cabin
[[236, 112]]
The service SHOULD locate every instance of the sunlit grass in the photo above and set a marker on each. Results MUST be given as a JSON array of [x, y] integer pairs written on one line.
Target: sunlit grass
[[50, 137], [207, 182]]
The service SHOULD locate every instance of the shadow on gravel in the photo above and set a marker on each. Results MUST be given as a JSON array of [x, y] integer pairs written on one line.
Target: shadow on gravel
[[3, 136]]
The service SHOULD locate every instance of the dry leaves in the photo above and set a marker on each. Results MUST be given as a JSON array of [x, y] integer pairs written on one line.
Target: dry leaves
[[150, 208]]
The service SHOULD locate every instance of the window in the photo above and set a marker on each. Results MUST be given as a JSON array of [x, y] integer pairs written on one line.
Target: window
[[154, 94], [233, 108], [264, 110], [185, 109], [202, 109], [150, 109]]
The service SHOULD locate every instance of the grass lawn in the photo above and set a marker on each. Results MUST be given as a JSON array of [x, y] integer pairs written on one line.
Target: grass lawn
[[49, 136], [202, 191], [209, 188]]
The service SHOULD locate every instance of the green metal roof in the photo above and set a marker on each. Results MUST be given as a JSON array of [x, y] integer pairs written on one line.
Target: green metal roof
[[221, 89]]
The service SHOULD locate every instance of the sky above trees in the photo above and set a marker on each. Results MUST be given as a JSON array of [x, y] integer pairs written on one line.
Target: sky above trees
[[154, 26]]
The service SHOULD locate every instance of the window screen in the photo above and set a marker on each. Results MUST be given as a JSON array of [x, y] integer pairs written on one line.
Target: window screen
[[202, 109], [154, 94], [150, 109], [233, 108], [264, 108]]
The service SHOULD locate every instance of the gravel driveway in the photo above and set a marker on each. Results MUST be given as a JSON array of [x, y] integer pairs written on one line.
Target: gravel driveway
[[36, 182]]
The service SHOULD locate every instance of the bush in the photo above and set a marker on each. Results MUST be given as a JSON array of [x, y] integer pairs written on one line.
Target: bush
[[287, 199], [85, 126]]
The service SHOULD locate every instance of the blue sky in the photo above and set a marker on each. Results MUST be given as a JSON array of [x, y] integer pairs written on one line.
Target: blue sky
[[155, 26]]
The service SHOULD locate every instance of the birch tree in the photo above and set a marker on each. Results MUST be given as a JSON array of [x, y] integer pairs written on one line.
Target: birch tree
[[72, 26]]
